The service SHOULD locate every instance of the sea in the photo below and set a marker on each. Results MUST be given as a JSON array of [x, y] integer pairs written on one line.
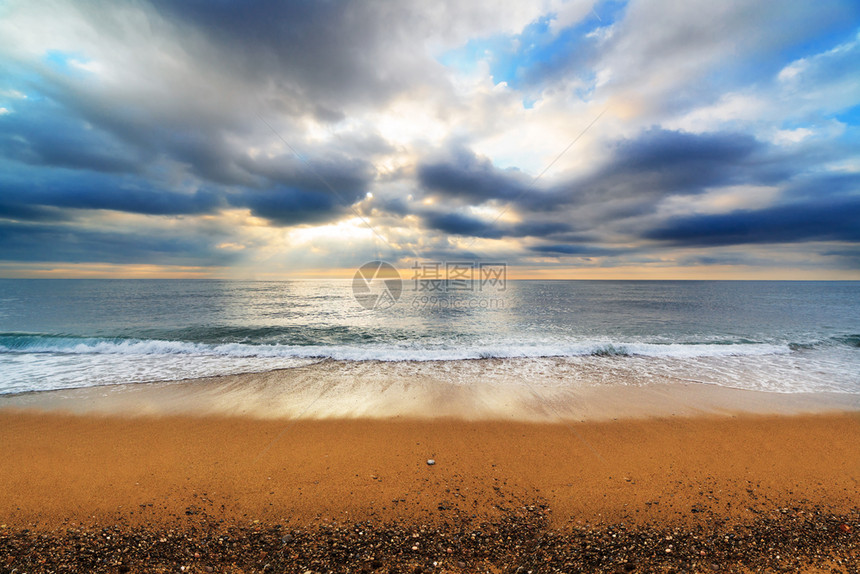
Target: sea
[[781, 337]]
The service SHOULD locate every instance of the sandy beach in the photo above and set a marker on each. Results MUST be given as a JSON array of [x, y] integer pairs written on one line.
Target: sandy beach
[[95, 470], [650, 471], [459, 287]]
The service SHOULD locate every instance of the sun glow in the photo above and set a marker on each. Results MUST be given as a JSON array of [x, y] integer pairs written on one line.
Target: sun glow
[[350, 230]]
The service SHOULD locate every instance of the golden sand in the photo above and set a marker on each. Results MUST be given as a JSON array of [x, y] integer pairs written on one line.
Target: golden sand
[[60, 469]]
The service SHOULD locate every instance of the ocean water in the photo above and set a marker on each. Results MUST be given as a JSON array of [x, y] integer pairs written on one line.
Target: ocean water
[[782, 337]]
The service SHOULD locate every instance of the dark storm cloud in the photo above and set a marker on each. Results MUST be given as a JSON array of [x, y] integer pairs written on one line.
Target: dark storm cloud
[[819, 185], [281, 206], [43, 133], [155, 131], [538, 228], [39, 196], [465, 175], [638, 174], [343, 176], [583, 216], [36, 242], [807, 221], [321, 55], [576, 249], [144, 201], [461, 224], [195, 106], [286, 206], [310, 191], [657, 162], [23, 212], [680, 153], [53, 158], [32, 194]]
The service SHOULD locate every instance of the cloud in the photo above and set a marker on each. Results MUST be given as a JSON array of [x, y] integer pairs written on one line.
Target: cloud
[[668, 57], [458, 224], [333, 55], [70, 244], [465, 175], [40, 194], [338, 174], [286, 206], [620, 201], [24, 212], [807, 221], [247, 124], [665, 162], [577, 250], [636, 172], [43, 133]]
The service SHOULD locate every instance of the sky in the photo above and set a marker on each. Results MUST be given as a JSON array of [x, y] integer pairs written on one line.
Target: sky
[[649, 139]]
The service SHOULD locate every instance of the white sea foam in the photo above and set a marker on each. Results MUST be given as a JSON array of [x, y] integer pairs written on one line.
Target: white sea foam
[[32, 362], [773, 336], [383, 352]]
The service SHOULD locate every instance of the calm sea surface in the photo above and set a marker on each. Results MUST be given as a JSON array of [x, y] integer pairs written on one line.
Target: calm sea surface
[[774, 336]]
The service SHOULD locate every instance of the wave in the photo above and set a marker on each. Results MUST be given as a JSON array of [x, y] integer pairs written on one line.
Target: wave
[[438, 351], [849, 340], [39, 362]]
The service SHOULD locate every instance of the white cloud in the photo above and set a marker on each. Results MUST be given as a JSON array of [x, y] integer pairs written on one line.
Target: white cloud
[[803, 92], [792, 71], [720, 200], [783, 137], [14, 94], [732, 108], [571, 12], [663, 52], [87, 66]]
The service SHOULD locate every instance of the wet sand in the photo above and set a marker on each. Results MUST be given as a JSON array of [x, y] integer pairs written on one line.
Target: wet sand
[[517, 390]]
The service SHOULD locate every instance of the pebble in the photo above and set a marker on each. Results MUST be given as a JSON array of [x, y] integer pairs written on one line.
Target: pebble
[[430, 462], [516, 537]]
